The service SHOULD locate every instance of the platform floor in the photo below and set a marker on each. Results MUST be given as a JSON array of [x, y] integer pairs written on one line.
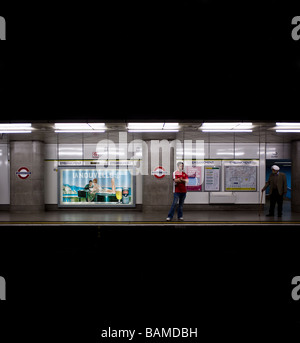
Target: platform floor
[[132, 217]]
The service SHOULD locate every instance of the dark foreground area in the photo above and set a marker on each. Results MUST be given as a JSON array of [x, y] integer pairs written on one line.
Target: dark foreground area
[[65, 282]]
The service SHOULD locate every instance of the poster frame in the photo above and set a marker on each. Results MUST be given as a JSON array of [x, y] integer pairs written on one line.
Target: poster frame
[[96, 205], [201, 185], [220, 178], [239, 190]]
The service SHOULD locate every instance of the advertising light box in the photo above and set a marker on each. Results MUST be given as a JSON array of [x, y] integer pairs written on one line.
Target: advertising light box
[[194, 175], [96, 187]]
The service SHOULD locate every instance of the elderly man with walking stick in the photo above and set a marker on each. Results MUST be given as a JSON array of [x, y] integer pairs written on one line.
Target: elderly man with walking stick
[[278, 189]]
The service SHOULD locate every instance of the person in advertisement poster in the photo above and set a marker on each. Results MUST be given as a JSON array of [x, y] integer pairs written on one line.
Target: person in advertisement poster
[[89, 188], [98, 189], [180, 179]]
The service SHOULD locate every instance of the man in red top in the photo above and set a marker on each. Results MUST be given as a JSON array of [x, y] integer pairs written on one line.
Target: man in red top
[[180, 179]]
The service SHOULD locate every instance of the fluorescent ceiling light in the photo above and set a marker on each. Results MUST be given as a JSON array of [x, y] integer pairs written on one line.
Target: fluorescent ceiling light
[[79, 127], [171, 126], [287, 127], [153, 127], [226, 127], [16, 128], [78, 131], [153, 130], [145, 126], [287, 130], [288, 124], [15, 131], [236, 125], [97, 125], [217, 130]]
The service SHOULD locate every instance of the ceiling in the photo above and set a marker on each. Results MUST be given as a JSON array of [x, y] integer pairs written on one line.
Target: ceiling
[[262, 132]]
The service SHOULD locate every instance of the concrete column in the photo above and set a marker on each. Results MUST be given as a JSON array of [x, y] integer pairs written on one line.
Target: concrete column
[[158, 193], [295, 176], [27, 194]]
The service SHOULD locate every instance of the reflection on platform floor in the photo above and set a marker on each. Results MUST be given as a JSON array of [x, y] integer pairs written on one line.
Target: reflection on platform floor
[[112, 216]]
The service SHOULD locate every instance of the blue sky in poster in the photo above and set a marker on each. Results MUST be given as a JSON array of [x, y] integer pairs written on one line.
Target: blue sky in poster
[[81, 177]]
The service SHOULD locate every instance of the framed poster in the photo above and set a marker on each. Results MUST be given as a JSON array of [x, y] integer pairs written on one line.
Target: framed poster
[[240, 178], [194, 175], [88, 186], [212, 179]]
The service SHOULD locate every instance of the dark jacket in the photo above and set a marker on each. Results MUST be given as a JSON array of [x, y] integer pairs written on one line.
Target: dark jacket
[[281, 183]]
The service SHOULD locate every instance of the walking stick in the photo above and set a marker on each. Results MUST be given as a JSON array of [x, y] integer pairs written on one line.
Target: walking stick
[[260, 206]]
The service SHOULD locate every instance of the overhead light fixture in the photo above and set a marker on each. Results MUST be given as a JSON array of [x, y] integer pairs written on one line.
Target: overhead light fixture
[[153, 127], [218, 130], [287, 127], [287, 130], [79, 127], [15, 131], [227, 127], [16, 128], [79, 131], [286, 124], [153, 130]]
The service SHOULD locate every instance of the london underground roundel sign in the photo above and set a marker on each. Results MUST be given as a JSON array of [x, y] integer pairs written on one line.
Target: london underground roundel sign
[[23, 173], [159, 172]]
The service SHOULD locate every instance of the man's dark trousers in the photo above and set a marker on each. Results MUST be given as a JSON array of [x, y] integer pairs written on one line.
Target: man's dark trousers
[[275, 197], [180, 197]]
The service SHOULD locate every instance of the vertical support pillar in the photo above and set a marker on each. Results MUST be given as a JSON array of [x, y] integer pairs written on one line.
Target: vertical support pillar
[[157, 193], [27, 188]]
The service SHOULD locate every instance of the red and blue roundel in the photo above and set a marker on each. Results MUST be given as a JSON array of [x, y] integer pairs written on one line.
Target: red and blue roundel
[[23, 173], [159, 172]]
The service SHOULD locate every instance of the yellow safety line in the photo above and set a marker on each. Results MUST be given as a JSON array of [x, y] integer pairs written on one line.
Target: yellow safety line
[[150, 222]]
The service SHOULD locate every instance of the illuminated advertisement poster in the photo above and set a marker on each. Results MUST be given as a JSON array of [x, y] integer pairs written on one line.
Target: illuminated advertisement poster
[[82, 186], [194, 174]]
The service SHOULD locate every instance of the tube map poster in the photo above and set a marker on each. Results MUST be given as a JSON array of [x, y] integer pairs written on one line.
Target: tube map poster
[[240, 178]]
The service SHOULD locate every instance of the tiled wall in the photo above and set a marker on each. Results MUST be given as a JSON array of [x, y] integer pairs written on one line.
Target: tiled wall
[[212, 151]]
